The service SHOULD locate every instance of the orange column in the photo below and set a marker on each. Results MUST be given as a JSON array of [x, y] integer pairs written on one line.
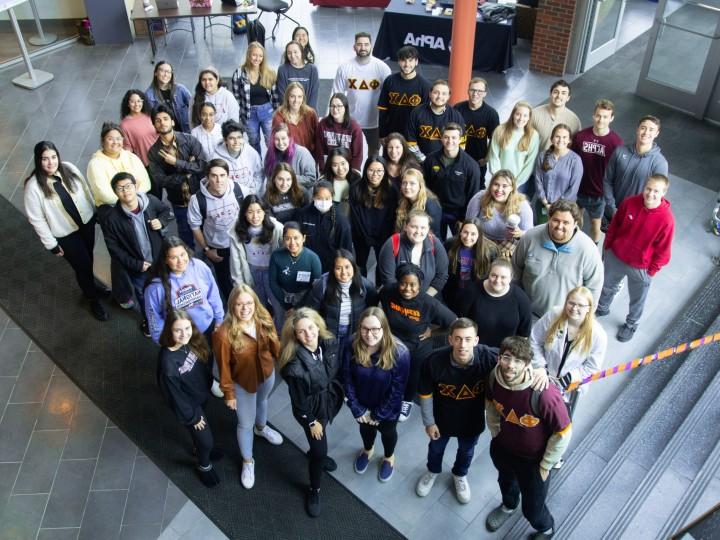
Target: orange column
[[463, 46]]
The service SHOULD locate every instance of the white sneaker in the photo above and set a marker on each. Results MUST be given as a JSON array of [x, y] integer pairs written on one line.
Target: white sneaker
[[462, 489], [425, 484], [216, 389], [247, 476], [269, 434]]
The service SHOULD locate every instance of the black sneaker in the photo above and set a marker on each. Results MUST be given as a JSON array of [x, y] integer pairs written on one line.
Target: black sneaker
[[208, 477], [329, 464], [405, 410], [145, 329], [312, 502], [98, 311], [216, 454]]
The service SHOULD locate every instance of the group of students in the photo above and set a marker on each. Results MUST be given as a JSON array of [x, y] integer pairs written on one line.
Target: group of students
[[285, 277]]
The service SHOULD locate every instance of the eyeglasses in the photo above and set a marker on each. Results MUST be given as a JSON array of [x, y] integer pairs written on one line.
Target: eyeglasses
[[125, 187], [376, 172], [246, 305], [337, 106], [573, 305], [473, 91], [373, 331]]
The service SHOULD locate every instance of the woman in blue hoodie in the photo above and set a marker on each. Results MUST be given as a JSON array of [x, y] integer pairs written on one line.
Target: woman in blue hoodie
[[375, 372]]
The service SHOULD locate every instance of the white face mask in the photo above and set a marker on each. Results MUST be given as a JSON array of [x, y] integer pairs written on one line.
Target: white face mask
[[323, 205]]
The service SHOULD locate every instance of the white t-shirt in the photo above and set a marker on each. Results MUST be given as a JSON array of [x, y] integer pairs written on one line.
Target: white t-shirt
[[361, 83]]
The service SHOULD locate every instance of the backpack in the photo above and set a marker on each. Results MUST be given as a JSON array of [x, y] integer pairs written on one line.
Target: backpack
[[396, 243], [256, 32], [534, 399], [202, 200]]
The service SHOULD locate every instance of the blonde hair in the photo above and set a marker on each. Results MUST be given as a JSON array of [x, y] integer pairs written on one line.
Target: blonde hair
[[583, 341], [267, 75], [512, 205], [405, 206], [261, 317], [285, 107], [505, 130], [388, 345], [288, 341]]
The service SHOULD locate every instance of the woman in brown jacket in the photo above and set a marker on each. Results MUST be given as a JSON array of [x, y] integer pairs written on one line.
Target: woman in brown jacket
[[246, 346]]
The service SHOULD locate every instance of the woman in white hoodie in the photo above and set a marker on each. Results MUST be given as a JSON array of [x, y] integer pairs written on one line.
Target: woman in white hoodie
[[210, 88], [568, 344]]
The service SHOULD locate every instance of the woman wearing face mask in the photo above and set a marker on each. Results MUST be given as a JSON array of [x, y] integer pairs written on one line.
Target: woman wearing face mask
[[302, 36], [60, 207], [283, 149], [164, 90], [341, 295], [515, 145], [373, 204], [297, 69], [410, 312], [418, 246], [326, 229], [375, 373], [398, 158], [209, 132], [494, 206], [254, 87], [284, 194], [499, 307], [414, 195], [184, 380], [337, 171], [246, 347], [339, 130], [210, 87], [138, 131], [558, 172], [255, 236], [469, 255], [568, 345], [310, 366], [300, 118], [293, 269]]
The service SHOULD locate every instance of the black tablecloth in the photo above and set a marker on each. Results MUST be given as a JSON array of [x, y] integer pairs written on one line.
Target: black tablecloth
[[409, 24]]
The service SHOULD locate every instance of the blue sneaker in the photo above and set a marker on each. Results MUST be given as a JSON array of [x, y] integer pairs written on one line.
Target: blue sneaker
[[362, 462], [386, 471]]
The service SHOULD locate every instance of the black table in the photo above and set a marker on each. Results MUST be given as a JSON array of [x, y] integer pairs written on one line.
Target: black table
[[409, 24]]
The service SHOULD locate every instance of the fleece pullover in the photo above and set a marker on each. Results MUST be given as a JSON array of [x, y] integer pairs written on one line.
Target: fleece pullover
[[627, 172], [221, 216], [245, 168]]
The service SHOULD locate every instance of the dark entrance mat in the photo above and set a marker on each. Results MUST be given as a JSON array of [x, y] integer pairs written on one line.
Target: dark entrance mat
[[115, 366]]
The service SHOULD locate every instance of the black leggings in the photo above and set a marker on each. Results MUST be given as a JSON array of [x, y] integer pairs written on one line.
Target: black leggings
[[388, 435], [317, 454], [78, 248], [203, 441]]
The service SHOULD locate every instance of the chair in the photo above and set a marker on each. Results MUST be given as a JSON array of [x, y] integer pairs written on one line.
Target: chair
[[279, 8]]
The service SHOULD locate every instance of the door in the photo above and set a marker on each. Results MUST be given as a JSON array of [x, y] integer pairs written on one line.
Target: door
[[604, 30], [682, 60]]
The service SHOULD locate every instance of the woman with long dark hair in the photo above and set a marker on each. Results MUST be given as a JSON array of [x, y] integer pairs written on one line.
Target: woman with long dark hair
[[184, 380], [302, 36], [398, 158], [310, 366], [469, 257], [339, 130], [375, 374], [284, 194], [164, 90], [283, 149], [341, 175], [296, 68], [211, 88], [60, 207], [208, 132], [300, 118], [255, 236], [246, 347], [138, 131], [373, 205]]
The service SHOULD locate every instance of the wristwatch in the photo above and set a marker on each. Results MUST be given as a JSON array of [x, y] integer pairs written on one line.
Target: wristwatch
[[312, 424]]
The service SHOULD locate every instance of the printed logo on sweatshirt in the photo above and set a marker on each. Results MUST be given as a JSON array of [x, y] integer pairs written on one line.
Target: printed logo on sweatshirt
[[431, 133], [592, 147], [188, 364], [473, 132], [526, 420], [362, 84], [412, 314], [334, 139], [403, 100], [449, 390], [188, 296]]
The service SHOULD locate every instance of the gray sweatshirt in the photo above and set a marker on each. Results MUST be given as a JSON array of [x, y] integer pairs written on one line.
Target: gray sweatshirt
[[138, 221], [627, 172], [222, 213]]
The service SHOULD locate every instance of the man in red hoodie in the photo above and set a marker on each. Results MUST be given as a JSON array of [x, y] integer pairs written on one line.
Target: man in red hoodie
[[637, 246]]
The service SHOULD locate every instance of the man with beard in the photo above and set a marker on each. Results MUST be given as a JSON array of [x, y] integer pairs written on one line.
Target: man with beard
[[401, 92]]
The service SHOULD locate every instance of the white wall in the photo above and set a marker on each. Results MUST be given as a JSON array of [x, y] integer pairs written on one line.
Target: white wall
[[51, 9]]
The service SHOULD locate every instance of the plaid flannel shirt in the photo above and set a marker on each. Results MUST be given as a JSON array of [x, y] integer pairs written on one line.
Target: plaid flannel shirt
[[241, 89]]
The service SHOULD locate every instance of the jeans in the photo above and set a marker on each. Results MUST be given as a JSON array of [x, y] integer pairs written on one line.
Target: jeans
[[388, 435], [251, 410], [463, 458], [183, 227], [138, 282], [449, 221], [638, 286], [260, 120], [261, 279], [528, 188], [520, 476]]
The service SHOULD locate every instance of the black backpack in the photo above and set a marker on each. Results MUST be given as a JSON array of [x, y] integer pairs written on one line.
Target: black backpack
[[534, 399], [256, 32], [202, 200]]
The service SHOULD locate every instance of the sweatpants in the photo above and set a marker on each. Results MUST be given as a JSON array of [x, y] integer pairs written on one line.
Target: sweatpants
[[638, 282]]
